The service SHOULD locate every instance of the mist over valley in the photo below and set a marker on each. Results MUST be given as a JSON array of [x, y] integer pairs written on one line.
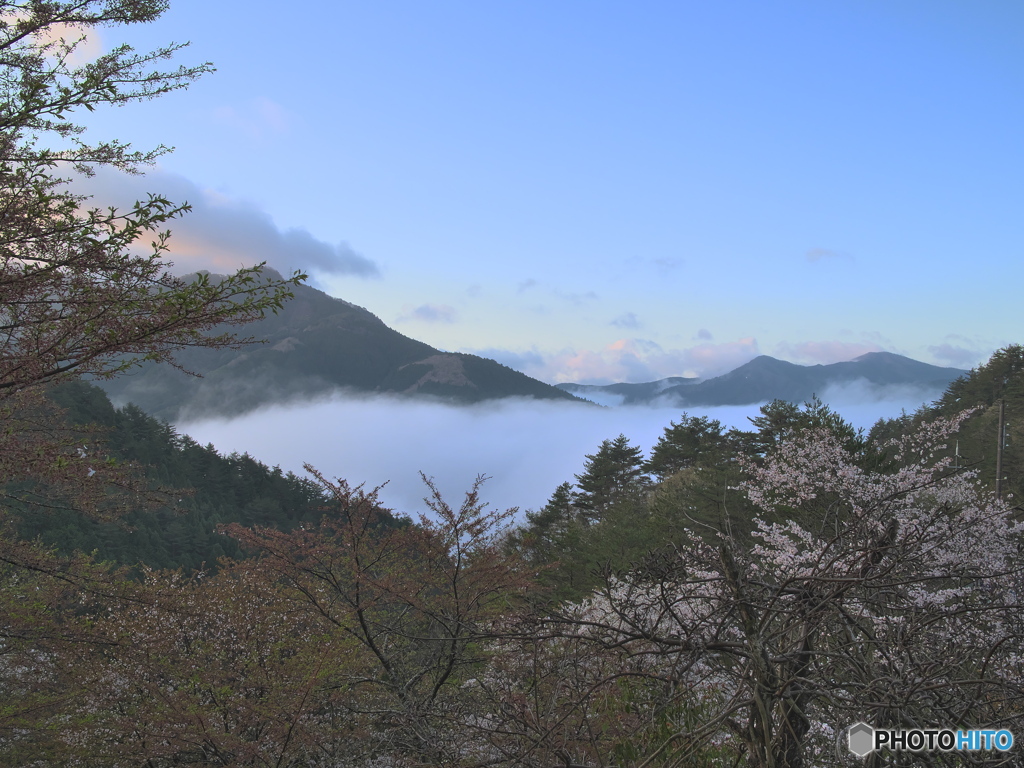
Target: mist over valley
[[526, 447]]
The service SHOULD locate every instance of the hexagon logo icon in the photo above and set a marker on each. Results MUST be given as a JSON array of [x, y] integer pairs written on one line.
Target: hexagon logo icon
[[861, 739]]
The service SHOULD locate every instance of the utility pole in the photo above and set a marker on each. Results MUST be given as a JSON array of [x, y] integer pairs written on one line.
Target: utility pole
[[999, 450]]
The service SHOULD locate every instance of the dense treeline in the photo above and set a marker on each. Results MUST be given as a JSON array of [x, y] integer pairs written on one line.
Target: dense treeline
[[624, 507], [195, 490], [1001, 379]]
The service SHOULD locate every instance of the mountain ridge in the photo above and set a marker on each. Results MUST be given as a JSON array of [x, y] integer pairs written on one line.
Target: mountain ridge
[[767, 378], [317, 345]]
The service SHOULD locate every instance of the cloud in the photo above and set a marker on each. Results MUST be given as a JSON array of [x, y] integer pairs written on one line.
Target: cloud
[[576, 298], [709, 360], [526, 285], [628, 360], [823, 352], [259, 119], [664, 266], [86, 45], [527, 447], [817, 254], [704, 334], [958, 356], [627, 320], [222, 233], [429, 313]]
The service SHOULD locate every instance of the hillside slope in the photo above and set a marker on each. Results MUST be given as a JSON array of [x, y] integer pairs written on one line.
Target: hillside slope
[[315, 346]]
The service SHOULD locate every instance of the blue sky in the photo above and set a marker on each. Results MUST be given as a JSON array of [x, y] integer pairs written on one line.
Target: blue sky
[[594, 191]]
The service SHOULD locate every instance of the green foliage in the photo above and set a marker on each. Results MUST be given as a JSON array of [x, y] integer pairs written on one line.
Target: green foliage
[[612, 475], [781, 421], [694, 440], [616, 519], [202, 490], [1001, 378]]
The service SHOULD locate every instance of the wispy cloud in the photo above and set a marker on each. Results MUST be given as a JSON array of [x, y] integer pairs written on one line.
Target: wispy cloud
[[664, 266], [87, 46], [959, 352], [626, 320], [576, 298], [627, 360], [429, 313], [827, 254], [223, 233]]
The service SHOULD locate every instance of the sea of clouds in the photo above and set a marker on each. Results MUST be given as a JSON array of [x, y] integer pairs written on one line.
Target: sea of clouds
[[525, 447]]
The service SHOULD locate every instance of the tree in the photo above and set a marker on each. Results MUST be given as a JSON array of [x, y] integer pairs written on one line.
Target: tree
[[613, 474], [77, 295], [76, 298], [999, 377], [695, 439], [544, 530], [80, 294], [420, 601], [885, 610], [781, 421], [207, 670]]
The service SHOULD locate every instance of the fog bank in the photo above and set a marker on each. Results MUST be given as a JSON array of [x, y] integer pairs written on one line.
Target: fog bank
[[526, 447]]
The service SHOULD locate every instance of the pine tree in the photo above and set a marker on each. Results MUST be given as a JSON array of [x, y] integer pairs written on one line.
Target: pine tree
[[695, 439], [781, 421], [614, 474]]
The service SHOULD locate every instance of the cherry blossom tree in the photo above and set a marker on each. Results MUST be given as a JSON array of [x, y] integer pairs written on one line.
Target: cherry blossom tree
[[899, 606]]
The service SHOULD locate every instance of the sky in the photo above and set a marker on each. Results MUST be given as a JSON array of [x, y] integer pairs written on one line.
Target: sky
[[598, 192]]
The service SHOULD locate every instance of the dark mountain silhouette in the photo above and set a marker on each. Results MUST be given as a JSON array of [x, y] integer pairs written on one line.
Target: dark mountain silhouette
[[315, 346], [629, 394], [764, 378]]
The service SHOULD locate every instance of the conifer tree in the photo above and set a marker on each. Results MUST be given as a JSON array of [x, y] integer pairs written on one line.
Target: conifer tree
[[695, 439], [613, 474]]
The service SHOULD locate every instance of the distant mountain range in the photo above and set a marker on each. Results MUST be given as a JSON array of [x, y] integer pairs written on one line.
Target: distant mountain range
[[765, 378], [317, 345]]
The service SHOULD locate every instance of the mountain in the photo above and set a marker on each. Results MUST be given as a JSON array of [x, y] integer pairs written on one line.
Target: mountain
[[314, 346], [627, 394], [765, 378]]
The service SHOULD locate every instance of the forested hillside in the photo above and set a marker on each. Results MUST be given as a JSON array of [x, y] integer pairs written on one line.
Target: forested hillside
[[1000, 380], [201, 489], [317, 345]]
